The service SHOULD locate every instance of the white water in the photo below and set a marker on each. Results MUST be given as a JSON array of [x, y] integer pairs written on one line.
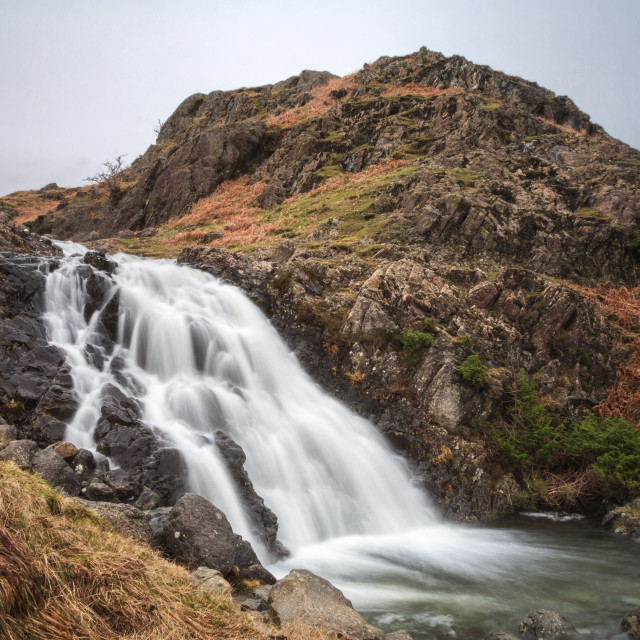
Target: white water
[[204, 359]]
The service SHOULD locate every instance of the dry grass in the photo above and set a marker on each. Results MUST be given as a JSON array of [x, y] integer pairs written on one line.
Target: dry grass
[[30, 205], [232, 208], [65, 574], [318, 105], [622, 305]]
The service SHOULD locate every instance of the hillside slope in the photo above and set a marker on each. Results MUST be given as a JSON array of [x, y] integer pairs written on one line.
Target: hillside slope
[[449, 249]]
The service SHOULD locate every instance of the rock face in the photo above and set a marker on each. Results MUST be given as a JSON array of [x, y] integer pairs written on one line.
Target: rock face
[[36, 390], [545, 625], [304, 598], [198, 534]]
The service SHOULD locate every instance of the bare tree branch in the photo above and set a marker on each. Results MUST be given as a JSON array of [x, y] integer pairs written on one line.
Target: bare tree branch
[[109, 175]]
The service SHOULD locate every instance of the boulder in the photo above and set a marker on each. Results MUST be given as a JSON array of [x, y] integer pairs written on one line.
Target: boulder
[[99, 492], [65, 450], [545, 625], [50, 466], [125, 518], [122, 484], [98, 260], [401, 634], [211, 580], [8, 433], [624, 520], [631, 623], [148, 499], [20, 452], [198, 534], [301, 597], [83, 463]]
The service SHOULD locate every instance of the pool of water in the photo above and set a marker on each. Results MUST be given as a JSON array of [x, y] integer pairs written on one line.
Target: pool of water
[[462, 582]]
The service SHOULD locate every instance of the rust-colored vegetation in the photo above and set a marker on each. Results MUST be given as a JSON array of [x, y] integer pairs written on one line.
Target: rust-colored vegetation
[[622, 304], [232, 209], [319, 104]]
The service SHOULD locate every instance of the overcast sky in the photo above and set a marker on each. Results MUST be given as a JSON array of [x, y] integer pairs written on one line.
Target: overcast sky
[[82, 81]]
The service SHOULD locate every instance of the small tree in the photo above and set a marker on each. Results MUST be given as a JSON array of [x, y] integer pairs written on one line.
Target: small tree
[[109, 175]]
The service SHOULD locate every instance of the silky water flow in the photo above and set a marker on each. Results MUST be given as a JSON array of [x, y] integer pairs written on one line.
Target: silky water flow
[[204, 358]]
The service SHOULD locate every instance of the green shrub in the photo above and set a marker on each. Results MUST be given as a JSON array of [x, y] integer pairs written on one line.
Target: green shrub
[[532, 441], [416, 340], [634, 243], [472, 370]]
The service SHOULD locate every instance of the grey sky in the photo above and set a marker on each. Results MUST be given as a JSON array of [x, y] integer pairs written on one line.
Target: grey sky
[[82, 81]]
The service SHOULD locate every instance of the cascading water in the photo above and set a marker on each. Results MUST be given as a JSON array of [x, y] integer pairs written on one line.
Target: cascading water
[[202, 358]]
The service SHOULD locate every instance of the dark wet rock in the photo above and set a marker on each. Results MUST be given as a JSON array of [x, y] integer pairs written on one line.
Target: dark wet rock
[[50, 466], [83, 463], [109, 317], [99, 260], [46, 429], [198, 534], [99, 492], [98, 287], [624, 520], [631, 623], [304, 598], [148, 499], [124, 518], [264, 521], [124, 486], [545, 625]]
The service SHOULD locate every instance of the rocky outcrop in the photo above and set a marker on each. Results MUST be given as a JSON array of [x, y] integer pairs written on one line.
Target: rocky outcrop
[[304, 598], [517, 322], [198, 534]]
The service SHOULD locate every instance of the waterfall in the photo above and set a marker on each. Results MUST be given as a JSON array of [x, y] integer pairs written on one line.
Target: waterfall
[[200, 358], [205, 359]]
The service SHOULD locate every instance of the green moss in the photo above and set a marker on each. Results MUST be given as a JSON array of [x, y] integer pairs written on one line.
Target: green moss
[[328, 171], [465, 177], [588, 213], [491, 106]]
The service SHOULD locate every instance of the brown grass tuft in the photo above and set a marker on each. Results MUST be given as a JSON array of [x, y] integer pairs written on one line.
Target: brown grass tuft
[[622, 304], [319, 104], [233, 208], [65, 574]]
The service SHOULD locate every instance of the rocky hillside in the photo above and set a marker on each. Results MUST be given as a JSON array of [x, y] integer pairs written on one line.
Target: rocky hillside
[[451, 250]]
